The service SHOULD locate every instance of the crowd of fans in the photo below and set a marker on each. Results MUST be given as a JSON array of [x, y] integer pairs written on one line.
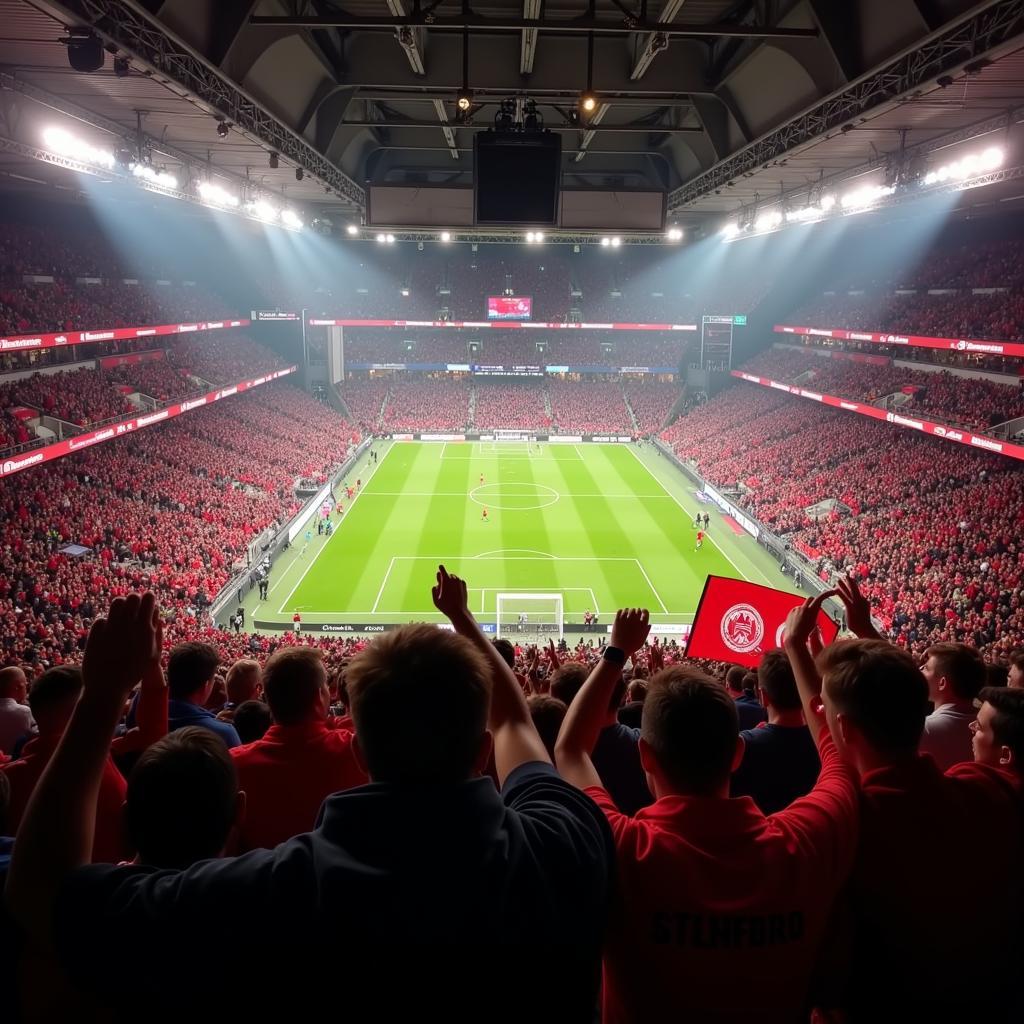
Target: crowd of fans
[[931, 527], [173, 508], [535, 403], [789, 822], [492, 347], [973, 402]]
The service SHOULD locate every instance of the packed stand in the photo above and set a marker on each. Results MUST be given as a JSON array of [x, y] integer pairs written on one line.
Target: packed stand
[[435, 404], [931, 530], [971, 402], [364, 400], [172, 507], [651, 404], [512, 406], [80, 397], [588, 407]]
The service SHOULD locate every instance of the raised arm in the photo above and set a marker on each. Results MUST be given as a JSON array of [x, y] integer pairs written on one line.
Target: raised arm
[[56, 832], [800, 625], [587, 713], [516, 740], [858, 609]]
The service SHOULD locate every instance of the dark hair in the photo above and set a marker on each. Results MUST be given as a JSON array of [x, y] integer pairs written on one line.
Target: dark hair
[[251, 720], [293, 678], [1016, 659], [963, 666], [506, 650], [567, 680], [996, 673], [242, 680], [182, 799], [57, 686], [420, 697], [734, 678], [190, 666], [636, 691], [1008, 721], [691, 725], [750, 682], [775, 677], [880, 689], [547, 714]]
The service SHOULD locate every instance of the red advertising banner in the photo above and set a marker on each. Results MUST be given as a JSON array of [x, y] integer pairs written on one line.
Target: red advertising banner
[[24, 342], [110, 362], [738, 621], [988, 348], [509, 307], [989, 444], [38, 456], [511, 325]]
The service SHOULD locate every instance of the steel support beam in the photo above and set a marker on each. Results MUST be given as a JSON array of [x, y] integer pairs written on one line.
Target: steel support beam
[[565, 26], [972, 36], [650, 45], [645, 129], [126, 25]]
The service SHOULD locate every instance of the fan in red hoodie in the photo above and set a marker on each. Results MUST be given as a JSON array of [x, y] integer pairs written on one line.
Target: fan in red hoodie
[[720, 909]]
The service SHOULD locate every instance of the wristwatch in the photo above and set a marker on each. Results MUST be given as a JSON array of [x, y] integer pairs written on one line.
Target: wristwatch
[[616, 655]]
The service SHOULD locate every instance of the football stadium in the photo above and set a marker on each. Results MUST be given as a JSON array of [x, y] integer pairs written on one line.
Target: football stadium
[[512, 513]]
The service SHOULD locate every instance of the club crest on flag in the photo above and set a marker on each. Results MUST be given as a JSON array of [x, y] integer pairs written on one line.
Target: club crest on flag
[[742, 628]]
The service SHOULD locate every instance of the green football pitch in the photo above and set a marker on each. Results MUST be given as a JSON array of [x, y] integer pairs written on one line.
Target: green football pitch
[[603, 525]]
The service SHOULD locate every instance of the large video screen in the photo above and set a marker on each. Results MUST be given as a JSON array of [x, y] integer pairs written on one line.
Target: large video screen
[[509, 307]]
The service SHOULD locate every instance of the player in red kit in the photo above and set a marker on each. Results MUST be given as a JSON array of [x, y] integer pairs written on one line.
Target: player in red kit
[[484, 516], [700, 540]]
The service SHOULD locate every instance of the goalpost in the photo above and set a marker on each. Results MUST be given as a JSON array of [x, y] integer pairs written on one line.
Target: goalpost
[[530, 615], [510, 441]]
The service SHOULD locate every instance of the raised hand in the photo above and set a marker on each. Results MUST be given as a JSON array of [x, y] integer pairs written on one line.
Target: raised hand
[[122, 646], [630, 629], [450, 596], [803, 619], [858, 608]]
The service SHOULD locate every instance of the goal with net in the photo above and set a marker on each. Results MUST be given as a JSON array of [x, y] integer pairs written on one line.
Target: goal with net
[[530, 615], [510, 441]]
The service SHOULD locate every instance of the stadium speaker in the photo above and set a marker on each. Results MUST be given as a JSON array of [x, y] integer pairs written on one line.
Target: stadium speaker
[[85, 51], [516, 177]]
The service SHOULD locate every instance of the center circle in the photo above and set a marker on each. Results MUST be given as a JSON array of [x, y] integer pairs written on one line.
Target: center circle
[[514, 497]]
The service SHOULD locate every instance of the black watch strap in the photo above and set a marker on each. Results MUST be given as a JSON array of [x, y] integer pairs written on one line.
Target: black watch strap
[[616, 655]]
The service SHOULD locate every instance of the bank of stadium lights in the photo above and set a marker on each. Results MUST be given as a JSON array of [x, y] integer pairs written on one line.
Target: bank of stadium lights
[[970, 166], [290, 219], [674, 234], [387, 239], [610, 242], [215, 195], [352, 230], [146, 173], [866, 197], [446, 236], [534, 237], [63, 143], [260, 209]]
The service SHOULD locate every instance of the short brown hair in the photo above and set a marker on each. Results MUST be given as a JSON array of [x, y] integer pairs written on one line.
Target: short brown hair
[[567, 680], [292, 680], [419, 700], [547, 714], [181, 800], [880, 689], [691, 724], [775, 677], [734, 678], [963, 666], [190, 666], [242, 682]]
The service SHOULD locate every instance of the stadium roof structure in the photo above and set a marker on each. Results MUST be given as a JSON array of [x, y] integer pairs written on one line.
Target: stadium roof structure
[[719, 103]]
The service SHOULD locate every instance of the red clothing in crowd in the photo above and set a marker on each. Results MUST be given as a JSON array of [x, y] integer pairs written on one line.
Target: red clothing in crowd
[[108, 845], [937, 880], [287, 775], [720, 910]]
